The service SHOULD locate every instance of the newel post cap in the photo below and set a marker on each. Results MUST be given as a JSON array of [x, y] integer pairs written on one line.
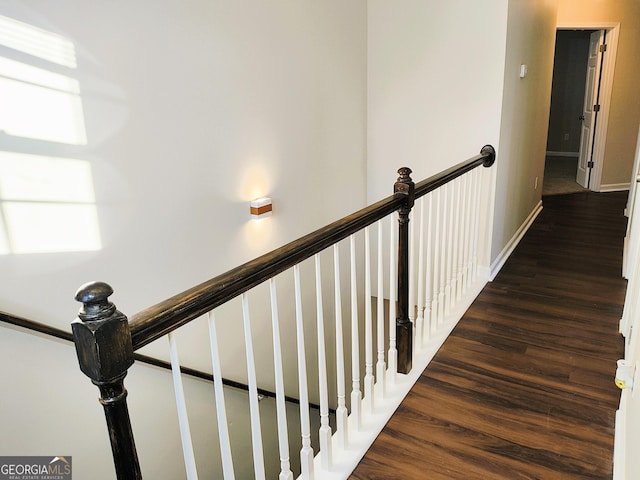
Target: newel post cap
[[491, 155], [405, 186], [101, 335]]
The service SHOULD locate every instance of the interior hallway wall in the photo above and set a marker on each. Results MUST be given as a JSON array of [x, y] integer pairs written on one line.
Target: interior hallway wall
[[434, 85], [530, 41]]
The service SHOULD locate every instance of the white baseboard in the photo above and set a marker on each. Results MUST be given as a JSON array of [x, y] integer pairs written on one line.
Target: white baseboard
[[614, 187], [515, 240], [563, 154], [619, 443]]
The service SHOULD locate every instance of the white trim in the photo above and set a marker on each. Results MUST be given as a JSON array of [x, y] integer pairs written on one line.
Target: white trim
[[619, 442], [563, 154], [606, 85], [614, 187], [513, 243]]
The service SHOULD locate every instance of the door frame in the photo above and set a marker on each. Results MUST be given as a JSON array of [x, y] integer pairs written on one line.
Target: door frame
[[606, 86]]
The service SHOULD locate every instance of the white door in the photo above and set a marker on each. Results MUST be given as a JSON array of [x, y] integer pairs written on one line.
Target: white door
[[588, 112]]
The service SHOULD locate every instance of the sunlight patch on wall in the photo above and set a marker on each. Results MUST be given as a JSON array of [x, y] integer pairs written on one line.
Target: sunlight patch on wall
[[37, 42], [4, 241], [40, 104], [48, 204]]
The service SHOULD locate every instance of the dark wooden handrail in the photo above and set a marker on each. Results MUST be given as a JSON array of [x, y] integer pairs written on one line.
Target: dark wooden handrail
[[38, 327], [486, 158], [35, 326], [165, 317], [106, 340]]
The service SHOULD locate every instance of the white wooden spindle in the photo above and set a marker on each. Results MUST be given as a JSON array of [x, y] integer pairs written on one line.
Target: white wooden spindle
[[380, 364], [476, 224], [183, 420], [412, 275], [472, 219], [468, 230], [420, 305], [443, 254], [437, 240], [281, 411], [368, 327], [341, 410], [449, 243], [462, 236], [306, 452], [428, 268], [356, 394], [221, 411], [254, 408], [455, 293], [324, 433], [393, 285]]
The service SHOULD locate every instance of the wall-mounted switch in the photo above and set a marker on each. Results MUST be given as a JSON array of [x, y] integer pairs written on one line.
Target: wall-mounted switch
[[523, 71]]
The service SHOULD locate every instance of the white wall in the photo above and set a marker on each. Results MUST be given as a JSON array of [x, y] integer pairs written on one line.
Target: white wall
[[525, 116], [191, 109], [435, 85]]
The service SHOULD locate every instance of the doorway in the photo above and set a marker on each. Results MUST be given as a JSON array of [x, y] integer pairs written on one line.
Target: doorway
[[581, 89], [568, 91]]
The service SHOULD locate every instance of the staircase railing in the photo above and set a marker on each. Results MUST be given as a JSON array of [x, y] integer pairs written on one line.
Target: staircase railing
[[423, 273]]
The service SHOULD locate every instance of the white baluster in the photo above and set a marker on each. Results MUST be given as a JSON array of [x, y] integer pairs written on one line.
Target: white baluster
[[443, 253], [368, 327], [455, 292], [469, 230], [393, 285], [341, 411], [324, 434], [428, 268], [449, 243], [254, 408], [411, 307], [306, 452], [183, 420], [420, 306], [462, 237], [437, 250], [356, 395], [380, 365], [221, 411], [476, 224], [281, 412]]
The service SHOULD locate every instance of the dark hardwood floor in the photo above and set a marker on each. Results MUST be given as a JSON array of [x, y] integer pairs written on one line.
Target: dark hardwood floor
[[524, 387]]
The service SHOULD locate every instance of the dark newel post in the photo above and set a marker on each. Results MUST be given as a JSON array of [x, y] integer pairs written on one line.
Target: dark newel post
[[404, 329], [103, 344]]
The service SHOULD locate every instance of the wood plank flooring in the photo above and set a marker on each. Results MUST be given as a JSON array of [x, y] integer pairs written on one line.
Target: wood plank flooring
[[523, 388]]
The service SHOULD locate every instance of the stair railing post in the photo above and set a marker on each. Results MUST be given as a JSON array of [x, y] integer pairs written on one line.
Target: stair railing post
[[105, 352], [404, 329]]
